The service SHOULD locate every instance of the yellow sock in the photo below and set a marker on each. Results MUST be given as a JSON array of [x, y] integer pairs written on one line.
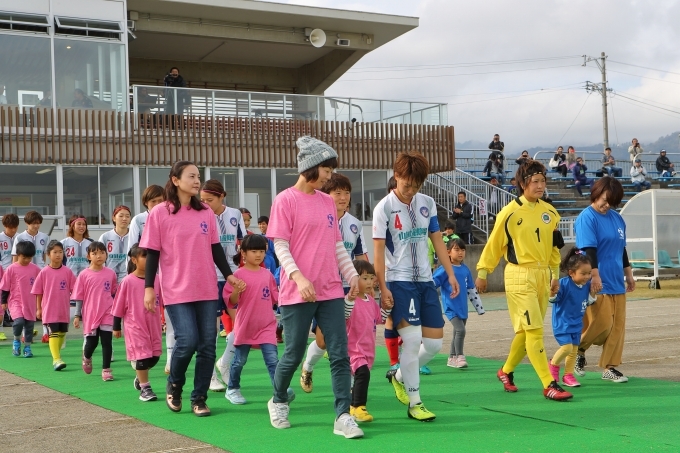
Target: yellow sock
[[55, 346], [517, 352], [62, 339], [562, 354], [537, 355], [571, 360]]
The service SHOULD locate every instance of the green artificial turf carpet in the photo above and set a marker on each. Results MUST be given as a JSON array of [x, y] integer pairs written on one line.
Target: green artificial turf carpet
[[473, 412]]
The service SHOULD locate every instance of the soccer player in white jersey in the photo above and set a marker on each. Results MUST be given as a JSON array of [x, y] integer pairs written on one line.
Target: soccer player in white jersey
[[151, 196], [231, 230], [402, 223], [10, 222], [75, 244], [116, 241], [33, 220], [339, 188]]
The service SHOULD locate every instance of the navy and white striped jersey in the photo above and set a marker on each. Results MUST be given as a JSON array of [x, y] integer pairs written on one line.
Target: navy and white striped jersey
[[40, 241], [116, 247], [230, 229], [352, 237]]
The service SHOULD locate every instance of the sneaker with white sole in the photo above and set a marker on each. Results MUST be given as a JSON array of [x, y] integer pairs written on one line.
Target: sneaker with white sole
[[306, 381], [216, 385], [462, 363], [234, 396], [136, 384], [278, 414], [614, 375], [346, 426], [580, 365], [146, 394], [223, 371], [452, 362]]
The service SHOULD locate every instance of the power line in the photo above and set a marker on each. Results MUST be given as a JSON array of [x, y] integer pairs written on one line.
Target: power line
[[496, 92], [577, 115], [512, 97], [644, 77], [649, 100], [651, 105], [453, 65], [646, 108], [644, 67]]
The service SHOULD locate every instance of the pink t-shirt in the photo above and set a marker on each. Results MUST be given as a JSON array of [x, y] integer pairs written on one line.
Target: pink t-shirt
[[142, 328], [55, 285], [308, 222], [361, 332], [184, 241], [255, 321], [19, 280], [96, 290]]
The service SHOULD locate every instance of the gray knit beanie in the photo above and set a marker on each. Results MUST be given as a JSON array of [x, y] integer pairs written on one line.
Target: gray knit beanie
[[312, 153]]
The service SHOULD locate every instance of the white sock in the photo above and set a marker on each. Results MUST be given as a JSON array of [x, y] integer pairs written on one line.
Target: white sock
[[169, 337], [229, 351], [408, 363], [314, 354], [428, 349], [45, 332]]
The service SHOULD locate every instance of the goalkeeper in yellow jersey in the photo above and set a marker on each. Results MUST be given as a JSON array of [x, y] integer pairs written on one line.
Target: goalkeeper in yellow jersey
[[526, 233]]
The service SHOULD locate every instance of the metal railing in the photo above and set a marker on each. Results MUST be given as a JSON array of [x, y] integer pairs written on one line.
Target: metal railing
[[566, 227]]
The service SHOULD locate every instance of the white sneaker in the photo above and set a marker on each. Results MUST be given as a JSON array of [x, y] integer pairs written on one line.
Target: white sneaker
[[614, 375], [278, 414], [462, 363], [216, 385], [223, 371], [234, 396], [346, 426], [452, 362]]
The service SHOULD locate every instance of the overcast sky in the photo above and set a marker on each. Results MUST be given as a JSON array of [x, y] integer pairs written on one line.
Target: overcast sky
[[643, 33]]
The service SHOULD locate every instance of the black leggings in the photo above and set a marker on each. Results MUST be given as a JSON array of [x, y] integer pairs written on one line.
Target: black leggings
[[362, 376], [146, 364], [91, 343]]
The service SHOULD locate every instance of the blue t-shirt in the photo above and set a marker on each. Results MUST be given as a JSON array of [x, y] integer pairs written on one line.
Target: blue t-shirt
[[606, 232], [569, 307], [458, 307]]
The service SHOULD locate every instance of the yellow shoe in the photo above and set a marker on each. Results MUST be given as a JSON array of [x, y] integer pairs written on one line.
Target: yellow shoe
[[223, 333], [360, 414], [2, 336], [418, 412], [399, 389]]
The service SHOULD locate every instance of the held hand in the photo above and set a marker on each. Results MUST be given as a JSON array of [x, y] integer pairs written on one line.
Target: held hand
[[454, 286], [387, 300], [596, 284], [387, 305], [305, 288], [76, 323], [238, 284], [116, 334], [353, 288], [38, 313], [630, 284], [150, 300], [4, 307], [480, 283], [554, 287]]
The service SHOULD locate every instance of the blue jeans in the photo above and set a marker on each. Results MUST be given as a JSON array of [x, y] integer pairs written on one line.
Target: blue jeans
[[499, 176], [614, 171], [270, 354], [642, 185], [584, 181], [296, 319], [195, 331]]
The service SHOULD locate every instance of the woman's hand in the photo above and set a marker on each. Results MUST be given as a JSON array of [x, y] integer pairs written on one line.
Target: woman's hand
[[630, 284], [116, 334], [386, 298], [305, 287], [238, 284], [480, 283], [596, 284], [150, 300], [554, 287], [353, 288], [76, 322]]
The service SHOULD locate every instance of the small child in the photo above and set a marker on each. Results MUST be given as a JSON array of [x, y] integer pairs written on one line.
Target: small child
[[456, 309], [93, 294], [143, 336], [10, 222], [361, 317], [569, 306], [53, 289], [16, 295], [255, 324]]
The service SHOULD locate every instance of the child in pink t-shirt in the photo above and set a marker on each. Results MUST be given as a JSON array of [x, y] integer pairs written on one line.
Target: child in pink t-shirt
[[52, 291], [142, 327], [255, 322], [93, 294], [362, 315], [16, 296]]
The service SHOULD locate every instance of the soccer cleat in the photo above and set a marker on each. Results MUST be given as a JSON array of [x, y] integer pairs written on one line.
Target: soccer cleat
[[147, 394], [610, 374], [420, 413], [199, 408], [425, 370], [173, 397], [87, 365], [360, 414], [136, 384], [45, 338], [3, 337], [234, 396], [452, 362], [216, 385], [346, 426], [556, 393], [306, 380], [462, 363], [107, 374], [16, 348], [508, 380], [554, 371], [223, 333], [394, 367], [58, 365], [27, 352], [223, 371], [580, 365], [399, 389], [570, 381], [278, 414]]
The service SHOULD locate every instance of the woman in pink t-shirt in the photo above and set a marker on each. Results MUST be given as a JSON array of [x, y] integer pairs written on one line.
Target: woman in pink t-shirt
[[52, 291], [307, 240], [181, 237]]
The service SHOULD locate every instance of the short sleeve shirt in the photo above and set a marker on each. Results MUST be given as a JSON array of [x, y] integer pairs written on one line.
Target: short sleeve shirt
[[116, 249], [231, 229], [352, 234], [6, 244], [40, 241]]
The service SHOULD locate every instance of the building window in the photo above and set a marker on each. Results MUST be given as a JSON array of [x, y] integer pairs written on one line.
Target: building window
[[81, 193], [258, 192], [115, 189], [24, 22], [375, 189], [87, 27], [229, 179], [286, 178], [90, 75], [28, 188], [25, 71]]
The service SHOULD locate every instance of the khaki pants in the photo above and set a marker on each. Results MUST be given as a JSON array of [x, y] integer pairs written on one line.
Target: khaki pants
[[604, 324]]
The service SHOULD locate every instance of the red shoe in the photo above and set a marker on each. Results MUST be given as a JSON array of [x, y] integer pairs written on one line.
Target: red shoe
[[507, 380], [556, 393], [279, 334], [45, 338]]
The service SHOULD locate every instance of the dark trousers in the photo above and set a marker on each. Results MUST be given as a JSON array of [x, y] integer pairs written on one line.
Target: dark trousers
[[468, 238], [362, 377], [22, 325], [91, 343]]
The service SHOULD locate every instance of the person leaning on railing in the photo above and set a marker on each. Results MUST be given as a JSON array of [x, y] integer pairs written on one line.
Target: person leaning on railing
[[174, 99]]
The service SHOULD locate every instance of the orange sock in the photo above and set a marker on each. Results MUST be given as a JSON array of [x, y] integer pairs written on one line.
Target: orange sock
[[227, 323], [392, 350]]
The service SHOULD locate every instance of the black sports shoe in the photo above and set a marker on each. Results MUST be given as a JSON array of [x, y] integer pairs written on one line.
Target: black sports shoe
[[136, 384], [173, 397], [580, 365], [199, 408], [147, 395]]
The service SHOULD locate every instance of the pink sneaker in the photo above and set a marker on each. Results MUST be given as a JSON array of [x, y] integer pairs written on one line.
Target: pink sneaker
[[554, 371], [462, 363], [452, 362], [107, 374], [570, 381], [87, 365]]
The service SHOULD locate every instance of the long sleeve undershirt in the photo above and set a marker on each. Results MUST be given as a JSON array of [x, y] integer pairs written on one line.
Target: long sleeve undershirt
[[282, 248]]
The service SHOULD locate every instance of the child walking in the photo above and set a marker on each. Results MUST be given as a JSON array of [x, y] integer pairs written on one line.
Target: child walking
[[456, 308], [53, 289], [569, 306], [361, 317], [142, 327], [93, 294], [15, 288], [10, 222]]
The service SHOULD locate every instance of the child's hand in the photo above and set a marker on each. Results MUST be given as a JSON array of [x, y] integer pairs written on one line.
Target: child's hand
[[238, 284], [38, 313], [387, 304], [554, 287], [116, 334], [76, 322]]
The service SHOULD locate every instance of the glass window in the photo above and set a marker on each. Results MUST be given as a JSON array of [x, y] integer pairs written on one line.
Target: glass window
[[229, 179], [357, 203], [81, 193], [115, 189], [157, 175], [25, 71], [28, 188], [258, 192], [286, 178], [90, 75], [375, 189]]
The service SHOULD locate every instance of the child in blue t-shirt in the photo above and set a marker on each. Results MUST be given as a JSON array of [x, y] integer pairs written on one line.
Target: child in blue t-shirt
[[569, 305], [456, 309]]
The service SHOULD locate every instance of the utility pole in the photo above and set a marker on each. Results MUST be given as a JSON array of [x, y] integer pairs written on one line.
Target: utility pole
[[602, 89]]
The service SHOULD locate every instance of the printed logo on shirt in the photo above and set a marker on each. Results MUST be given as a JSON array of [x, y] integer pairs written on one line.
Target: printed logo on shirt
[[425, 212], [107, 286], [158, 302], [227, 238], [265, 292], [395, 212], [330, 221], [233, 221], [414, 235], [31, 281], [519, 222], [42, 242], [584, 305], [353, 228], [204, 227], [545, 217], [620, 230], [62, 285]]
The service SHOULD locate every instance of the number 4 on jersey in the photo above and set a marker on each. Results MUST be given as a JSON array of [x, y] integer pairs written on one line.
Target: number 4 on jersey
[[412, 308], [397, 222]]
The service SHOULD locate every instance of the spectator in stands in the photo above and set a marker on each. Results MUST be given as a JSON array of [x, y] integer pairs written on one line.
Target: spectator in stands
[[46, 101], [664, 166], [571, 158], [523, 158], [513, 187], [496, 144], [635, 150], [449, 231], [145, 102], [638, 176], [609, 164], [559, 161], [493, 197], [81, 100], [494, 168], [462, 214], [579, 172], [174, 80]]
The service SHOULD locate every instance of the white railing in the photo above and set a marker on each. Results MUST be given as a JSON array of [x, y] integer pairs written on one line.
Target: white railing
[[566, 227]]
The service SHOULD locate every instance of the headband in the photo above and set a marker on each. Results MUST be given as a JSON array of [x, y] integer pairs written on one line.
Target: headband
[[120, 208], [214, 192], [77, 218], [534, 174]]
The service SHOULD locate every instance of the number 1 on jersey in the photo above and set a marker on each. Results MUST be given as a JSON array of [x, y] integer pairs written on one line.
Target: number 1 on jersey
[[397, 222], [538, 234]]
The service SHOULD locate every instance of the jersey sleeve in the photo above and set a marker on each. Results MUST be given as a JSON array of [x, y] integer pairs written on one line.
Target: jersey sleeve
[[38, 284], [5, 282], [555, 256], [586, 230], [360, 248], [114, 284], [439, 277], [434, 221], [119, 307], [133, 234], [496, 247], [14, 247], [281, 220], [241, 229], [380, 221], [79, 288], [212, 228], [71, 282], [151, 236]]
